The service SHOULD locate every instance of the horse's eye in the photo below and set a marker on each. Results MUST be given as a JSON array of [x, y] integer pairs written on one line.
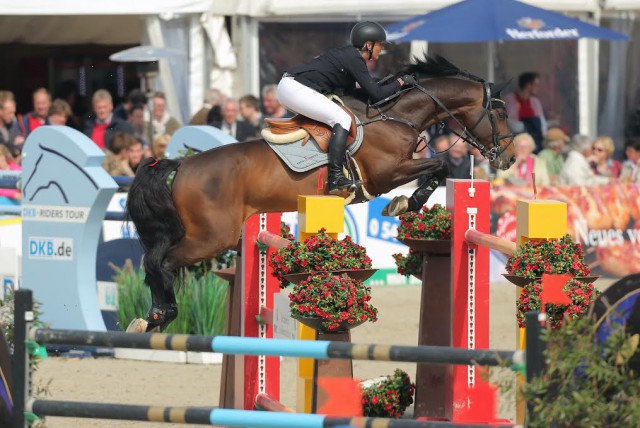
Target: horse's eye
[[502, 115]]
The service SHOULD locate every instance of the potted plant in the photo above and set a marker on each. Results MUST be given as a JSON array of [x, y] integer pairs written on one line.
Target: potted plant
[[331, 303], [319, 253], [427, 231], [387, 397], [589, 380], [561, 256]]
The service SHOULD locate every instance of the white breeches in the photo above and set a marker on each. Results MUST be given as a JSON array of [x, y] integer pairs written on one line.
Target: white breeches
[[303, 100]]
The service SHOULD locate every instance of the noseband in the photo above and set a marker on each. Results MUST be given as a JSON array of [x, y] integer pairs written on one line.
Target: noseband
[[466, 134]]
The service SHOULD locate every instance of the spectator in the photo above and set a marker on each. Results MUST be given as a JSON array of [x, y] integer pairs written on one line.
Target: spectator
[[212, 99], [116, 161], [526, 164], [272, 107], [136, 120], [630, 171], [458, 160], [59, 112], [7, 164], [239, 129], [38, 117], [250, 111], [576, 170], [553, 153], [439, 145], [160, 146], [104, 124], [67, 90], [525, 110], [135, 153], [162, 122], [603, 164], [136, 96], [9, 127]]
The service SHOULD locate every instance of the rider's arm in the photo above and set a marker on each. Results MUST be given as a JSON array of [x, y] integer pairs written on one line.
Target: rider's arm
[[358, 69]]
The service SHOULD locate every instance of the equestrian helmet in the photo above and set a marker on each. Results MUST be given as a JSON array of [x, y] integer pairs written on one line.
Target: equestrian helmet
[[365, 31]]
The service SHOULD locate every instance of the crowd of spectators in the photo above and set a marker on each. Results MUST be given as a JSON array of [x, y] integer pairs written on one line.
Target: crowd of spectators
[[544, 151], [136, 128], [141, 127]]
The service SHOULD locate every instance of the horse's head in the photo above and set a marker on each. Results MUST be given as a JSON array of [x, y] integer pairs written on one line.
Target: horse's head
[[478, 111], [487, 129]]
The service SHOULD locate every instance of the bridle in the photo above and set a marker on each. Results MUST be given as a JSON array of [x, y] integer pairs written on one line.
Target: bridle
[[466, 133]]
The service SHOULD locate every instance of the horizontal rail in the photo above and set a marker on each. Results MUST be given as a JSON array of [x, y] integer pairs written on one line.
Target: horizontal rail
[[11, 180], [321, 349], [221, 417], [493, 242], [266, 402], [272, 240]]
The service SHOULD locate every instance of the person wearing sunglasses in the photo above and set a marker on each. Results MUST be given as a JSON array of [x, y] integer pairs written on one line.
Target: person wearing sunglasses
[[601, 161]]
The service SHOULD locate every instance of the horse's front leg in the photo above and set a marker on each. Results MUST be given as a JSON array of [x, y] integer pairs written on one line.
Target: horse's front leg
[[435, 170]]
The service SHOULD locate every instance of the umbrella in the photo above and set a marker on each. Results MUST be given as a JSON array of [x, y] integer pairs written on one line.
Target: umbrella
[[492, 20], [498, 20]]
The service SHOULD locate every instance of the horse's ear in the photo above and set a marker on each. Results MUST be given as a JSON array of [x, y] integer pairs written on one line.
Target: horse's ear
[[498, 87]]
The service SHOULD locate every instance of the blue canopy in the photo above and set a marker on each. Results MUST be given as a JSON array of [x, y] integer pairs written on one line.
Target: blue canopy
[[490, 20]]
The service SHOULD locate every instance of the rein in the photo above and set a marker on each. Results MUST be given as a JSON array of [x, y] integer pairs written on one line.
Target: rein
[[466, 134]]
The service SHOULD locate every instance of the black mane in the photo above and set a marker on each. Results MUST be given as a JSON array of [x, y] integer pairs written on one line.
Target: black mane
[[436, 66]]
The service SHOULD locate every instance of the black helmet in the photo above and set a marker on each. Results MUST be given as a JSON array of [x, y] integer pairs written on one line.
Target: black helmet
[[365, 31]]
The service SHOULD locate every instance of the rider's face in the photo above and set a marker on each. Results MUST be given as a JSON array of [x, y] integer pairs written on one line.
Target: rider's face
[[377, 48]]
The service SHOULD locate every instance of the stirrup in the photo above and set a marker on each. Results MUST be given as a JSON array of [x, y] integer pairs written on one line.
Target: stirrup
[[340, 185]]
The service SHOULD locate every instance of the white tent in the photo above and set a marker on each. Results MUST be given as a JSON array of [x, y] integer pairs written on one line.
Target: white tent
[[186, 25]]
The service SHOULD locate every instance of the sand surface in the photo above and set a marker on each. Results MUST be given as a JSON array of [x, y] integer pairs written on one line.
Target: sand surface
[[165, 384]]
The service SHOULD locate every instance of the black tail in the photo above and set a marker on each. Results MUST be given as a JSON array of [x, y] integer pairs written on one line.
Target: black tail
[[150, 206]]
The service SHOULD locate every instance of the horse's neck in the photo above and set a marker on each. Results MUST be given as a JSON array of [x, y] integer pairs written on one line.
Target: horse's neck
[[455, 94]]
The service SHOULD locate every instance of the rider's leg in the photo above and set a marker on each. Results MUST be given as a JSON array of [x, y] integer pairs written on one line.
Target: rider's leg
[[306, 101], [337, 149]]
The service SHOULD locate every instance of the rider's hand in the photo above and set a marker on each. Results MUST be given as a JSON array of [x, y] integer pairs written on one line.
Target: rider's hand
[[409, 80]]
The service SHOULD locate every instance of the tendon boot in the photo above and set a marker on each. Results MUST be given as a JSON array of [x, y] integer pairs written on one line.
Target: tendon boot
[[337, 148], [422, 193]]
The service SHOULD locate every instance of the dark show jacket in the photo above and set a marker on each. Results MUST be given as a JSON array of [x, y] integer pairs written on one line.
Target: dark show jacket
[[340, 69]]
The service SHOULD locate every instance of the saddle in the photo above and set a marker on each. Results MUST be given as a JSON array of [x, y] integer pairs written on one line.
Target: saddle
[[299, 127]]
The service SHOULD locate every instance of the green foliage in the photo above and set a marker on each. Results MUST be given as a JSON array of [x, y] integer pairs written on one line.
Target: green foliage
[[587, 383], [408, 265], [536, 257], [582, 296], [428, 223], [388, 398], [201, 301], [318, 253], [7, 322], [334, 298]]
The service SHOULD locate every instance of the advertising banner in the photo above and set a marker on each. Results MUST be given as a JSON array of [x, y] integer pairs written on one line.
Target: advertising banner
[[604, 219]]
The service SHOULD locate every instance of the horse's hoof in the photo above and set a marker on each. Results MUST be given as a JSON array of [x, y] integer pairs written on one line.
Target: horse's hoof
[[397, 206], [137, 325]]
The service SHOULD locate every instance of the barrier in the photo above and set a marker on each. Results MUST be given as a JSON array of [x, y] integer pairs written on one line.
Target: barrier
[[456, 296], [252, 302], [237, 345]]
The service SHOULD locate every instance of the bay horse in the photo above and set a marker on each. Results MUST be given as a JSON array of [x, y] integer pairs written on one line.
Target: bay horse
[[190, 210]]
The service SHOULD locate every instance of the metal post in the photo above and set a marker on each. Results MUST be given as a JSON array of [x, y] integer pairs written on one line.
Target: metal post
[[21, 362], [535, 348]]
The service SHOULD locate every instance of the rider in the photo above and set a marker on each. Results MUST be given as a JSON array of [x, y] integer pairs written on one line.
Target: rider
[[303, 89]]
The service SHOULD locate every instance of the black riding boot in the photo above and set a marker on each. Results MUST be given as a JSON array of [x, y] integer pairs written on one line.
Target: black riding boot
[[337, 149], [422, 193]]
